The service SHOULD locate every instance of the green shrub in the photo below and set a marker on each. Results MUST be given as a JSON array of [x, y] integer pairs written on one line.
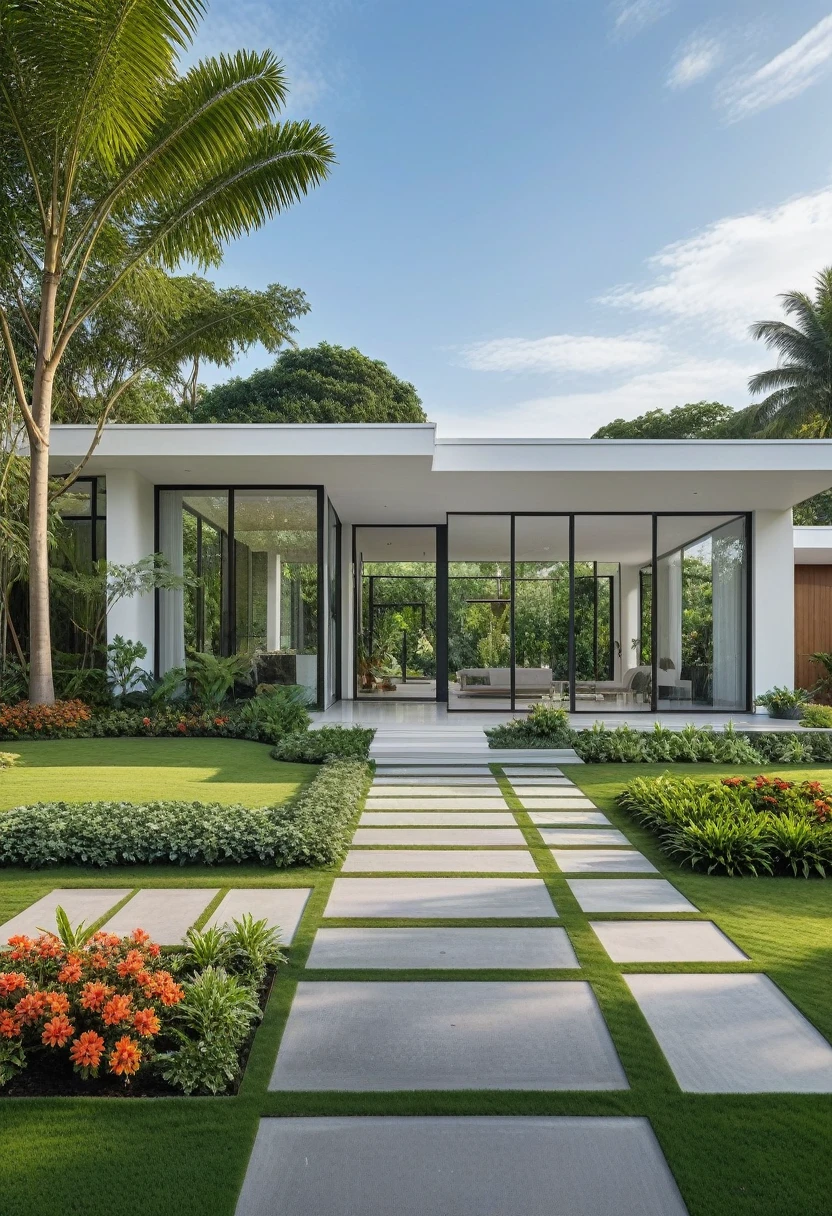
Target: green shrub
[[277, 709], [312, 830], [737, 825], [546, 726], [604, 746], [211, 1024], [8, 760], [315, 746], [817, 716], [782, 702], [213, 677]]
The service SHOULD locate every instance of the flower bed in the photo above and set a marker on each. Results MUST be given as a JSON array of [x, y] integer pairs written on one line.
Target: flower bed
[[738, 825], [100, 1014], [313, 830]]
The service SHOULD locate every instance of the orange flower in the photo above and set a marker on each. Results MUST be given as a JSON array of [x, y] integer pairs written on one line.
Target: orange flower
[[143, 978], [70, 973], [154, 950], [99, 961], [125, 1057], [9, 1025], [116, 1010], [140, 936], [57, 1031], [58, 1002], [163, 987], [94, 994], [10, 981], [147, 1023], [48, 946], [32, 1007], [20, 946], [130, 964], [86, 1051]]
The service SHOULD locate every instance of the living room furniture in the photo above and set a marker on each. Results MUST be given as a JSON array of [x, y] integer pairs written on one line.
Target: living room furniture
[[496, 681]]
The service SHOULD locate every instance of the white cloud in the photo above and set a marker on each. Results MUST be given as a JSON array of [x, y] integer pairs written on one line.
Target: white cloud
[[695, 60], [730, 274], [786, 76], [567, 415], [631, 16], [562, 353]]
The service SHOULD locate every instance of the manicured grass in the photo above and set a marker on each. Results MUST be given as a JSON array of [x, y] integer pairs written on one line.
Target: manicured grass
[[732, 1155], [199, 770]]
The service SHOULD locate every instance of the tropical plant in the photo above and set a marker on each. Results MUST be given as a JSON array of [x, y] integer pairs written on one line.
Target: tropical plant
[[823, 659], [799, 389], [782, 702], [123, 664], [115, 165], [253, 948], [205, 948], [213, 677], [213, 1019], [278, 709]]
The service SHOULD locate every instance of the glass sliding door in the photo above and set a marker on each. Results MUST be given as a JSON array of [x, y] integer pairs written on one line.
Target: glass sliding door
[[276, 584], [612, 617], [541, 608], [396, 613], [479, 612], [332, 598], [701, 612]]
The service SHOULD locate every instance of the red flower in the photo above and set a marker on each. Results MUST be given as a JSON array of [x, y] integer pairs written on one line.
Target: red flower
[[145, 721], [180, 726], [57, 1031]]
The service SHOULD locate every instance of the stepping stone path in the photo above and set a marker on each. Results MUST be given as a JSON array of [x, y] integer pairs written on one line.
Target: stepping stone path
[[281, 907], [166, 914], [462, 949], [80, 904]]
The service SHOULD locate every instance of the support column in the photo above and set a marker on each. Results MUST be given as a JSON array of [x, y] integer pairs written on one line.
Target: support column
[[129, 539], [347, 613], [772, 602], [273, 572], [630, 622]]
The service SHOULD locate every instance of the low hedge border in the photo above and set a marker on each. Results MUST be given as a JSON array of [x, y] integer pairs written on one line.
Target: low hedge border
[[312, 830], [316, 746], [661, 745]]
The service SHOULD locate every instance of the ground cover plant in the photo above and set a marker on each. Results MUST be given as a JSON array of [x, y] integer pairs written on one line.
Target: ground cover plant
[[547, 725], [312, 830], [737, 825], [107, 1008], [314, 746]]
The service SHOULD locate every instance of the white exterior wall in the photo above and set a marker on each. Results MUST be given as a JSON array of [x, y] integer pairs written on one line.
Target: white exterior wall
[[130, 538], [772, 610], [347, 613], [630, 623]]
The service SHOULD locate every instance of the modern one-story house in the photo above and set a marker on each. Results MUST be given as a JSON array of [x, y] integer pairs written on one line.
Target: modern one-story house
[[378, 561]]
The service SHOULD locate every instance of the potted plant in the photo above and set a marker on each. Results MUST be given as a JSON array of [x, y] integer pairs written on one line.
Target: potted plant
[[784, 702]]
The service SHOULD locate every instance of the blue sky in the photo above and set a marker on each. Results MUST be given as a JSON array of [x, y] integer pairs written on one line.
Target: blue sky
[[549, 214]]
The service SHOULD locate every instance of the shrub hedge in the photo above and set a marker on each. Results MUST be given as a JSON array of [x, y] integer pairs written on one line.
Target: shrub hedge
[[739, 825], [315, 746], [313, 830], [690, 745]]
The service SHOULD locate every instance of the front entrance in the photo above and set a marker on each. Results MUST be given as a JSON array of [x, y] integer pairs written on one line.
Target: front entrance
[[395, 613]]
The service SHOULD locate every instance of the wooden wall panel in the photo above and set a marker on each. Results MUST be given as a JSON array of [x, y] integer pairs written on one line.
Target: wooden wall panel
[[812, 620]]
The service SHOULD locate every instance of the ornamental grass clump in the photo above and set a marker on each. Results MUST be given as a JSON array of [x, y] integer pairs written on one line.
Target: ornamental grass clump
[[737, 825]]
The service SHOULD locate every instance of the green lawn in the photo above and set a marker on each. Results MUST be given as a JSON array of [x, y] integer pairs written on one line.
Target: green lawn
[[732, 1155], [194, 770]]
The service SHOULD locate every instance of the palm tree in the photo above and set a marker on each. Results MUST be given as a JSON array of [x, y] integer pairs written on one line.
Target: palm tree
[[799, 389], [113, 164]]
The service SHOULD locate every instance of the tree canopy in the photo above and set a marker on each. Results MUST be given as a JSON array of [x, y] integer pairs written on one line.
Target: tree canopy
[[696, 420], [323, 383]]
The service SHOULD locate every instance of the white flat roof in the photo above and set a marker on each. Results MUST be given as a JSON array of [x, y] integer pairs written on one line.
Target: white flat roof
[[401, 473], [813, 546]]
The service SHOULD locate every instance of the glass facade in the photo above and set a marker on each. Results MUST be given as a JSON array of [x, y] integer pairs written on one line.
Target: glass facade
[[254, 580], [601, 612]]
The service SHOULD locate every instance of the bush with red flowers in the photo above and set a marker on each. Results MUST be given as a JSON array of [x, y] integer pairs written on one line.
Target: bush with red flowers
[[62, 720], [101, 1002], [781, 797]]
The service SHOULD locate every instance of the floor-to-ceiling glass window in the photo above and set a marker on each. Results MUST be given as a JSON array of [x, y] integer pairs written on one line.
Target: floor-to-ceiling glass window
[[332, 599], [612, 632], [701, 612], [541, 608], [479, 612], [396, 613], [249, 558], [653, 607]]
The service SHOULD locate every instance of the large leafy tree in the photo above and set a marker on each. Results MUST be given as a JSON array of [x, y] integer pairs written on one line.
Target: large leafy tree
[[696, 420], [113, 165], [315, 384], [798, 399]]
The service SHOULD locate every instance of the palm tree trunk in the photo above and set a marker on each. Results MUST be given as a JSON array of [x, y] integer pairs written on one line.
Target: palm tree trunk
[[41, 687]]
